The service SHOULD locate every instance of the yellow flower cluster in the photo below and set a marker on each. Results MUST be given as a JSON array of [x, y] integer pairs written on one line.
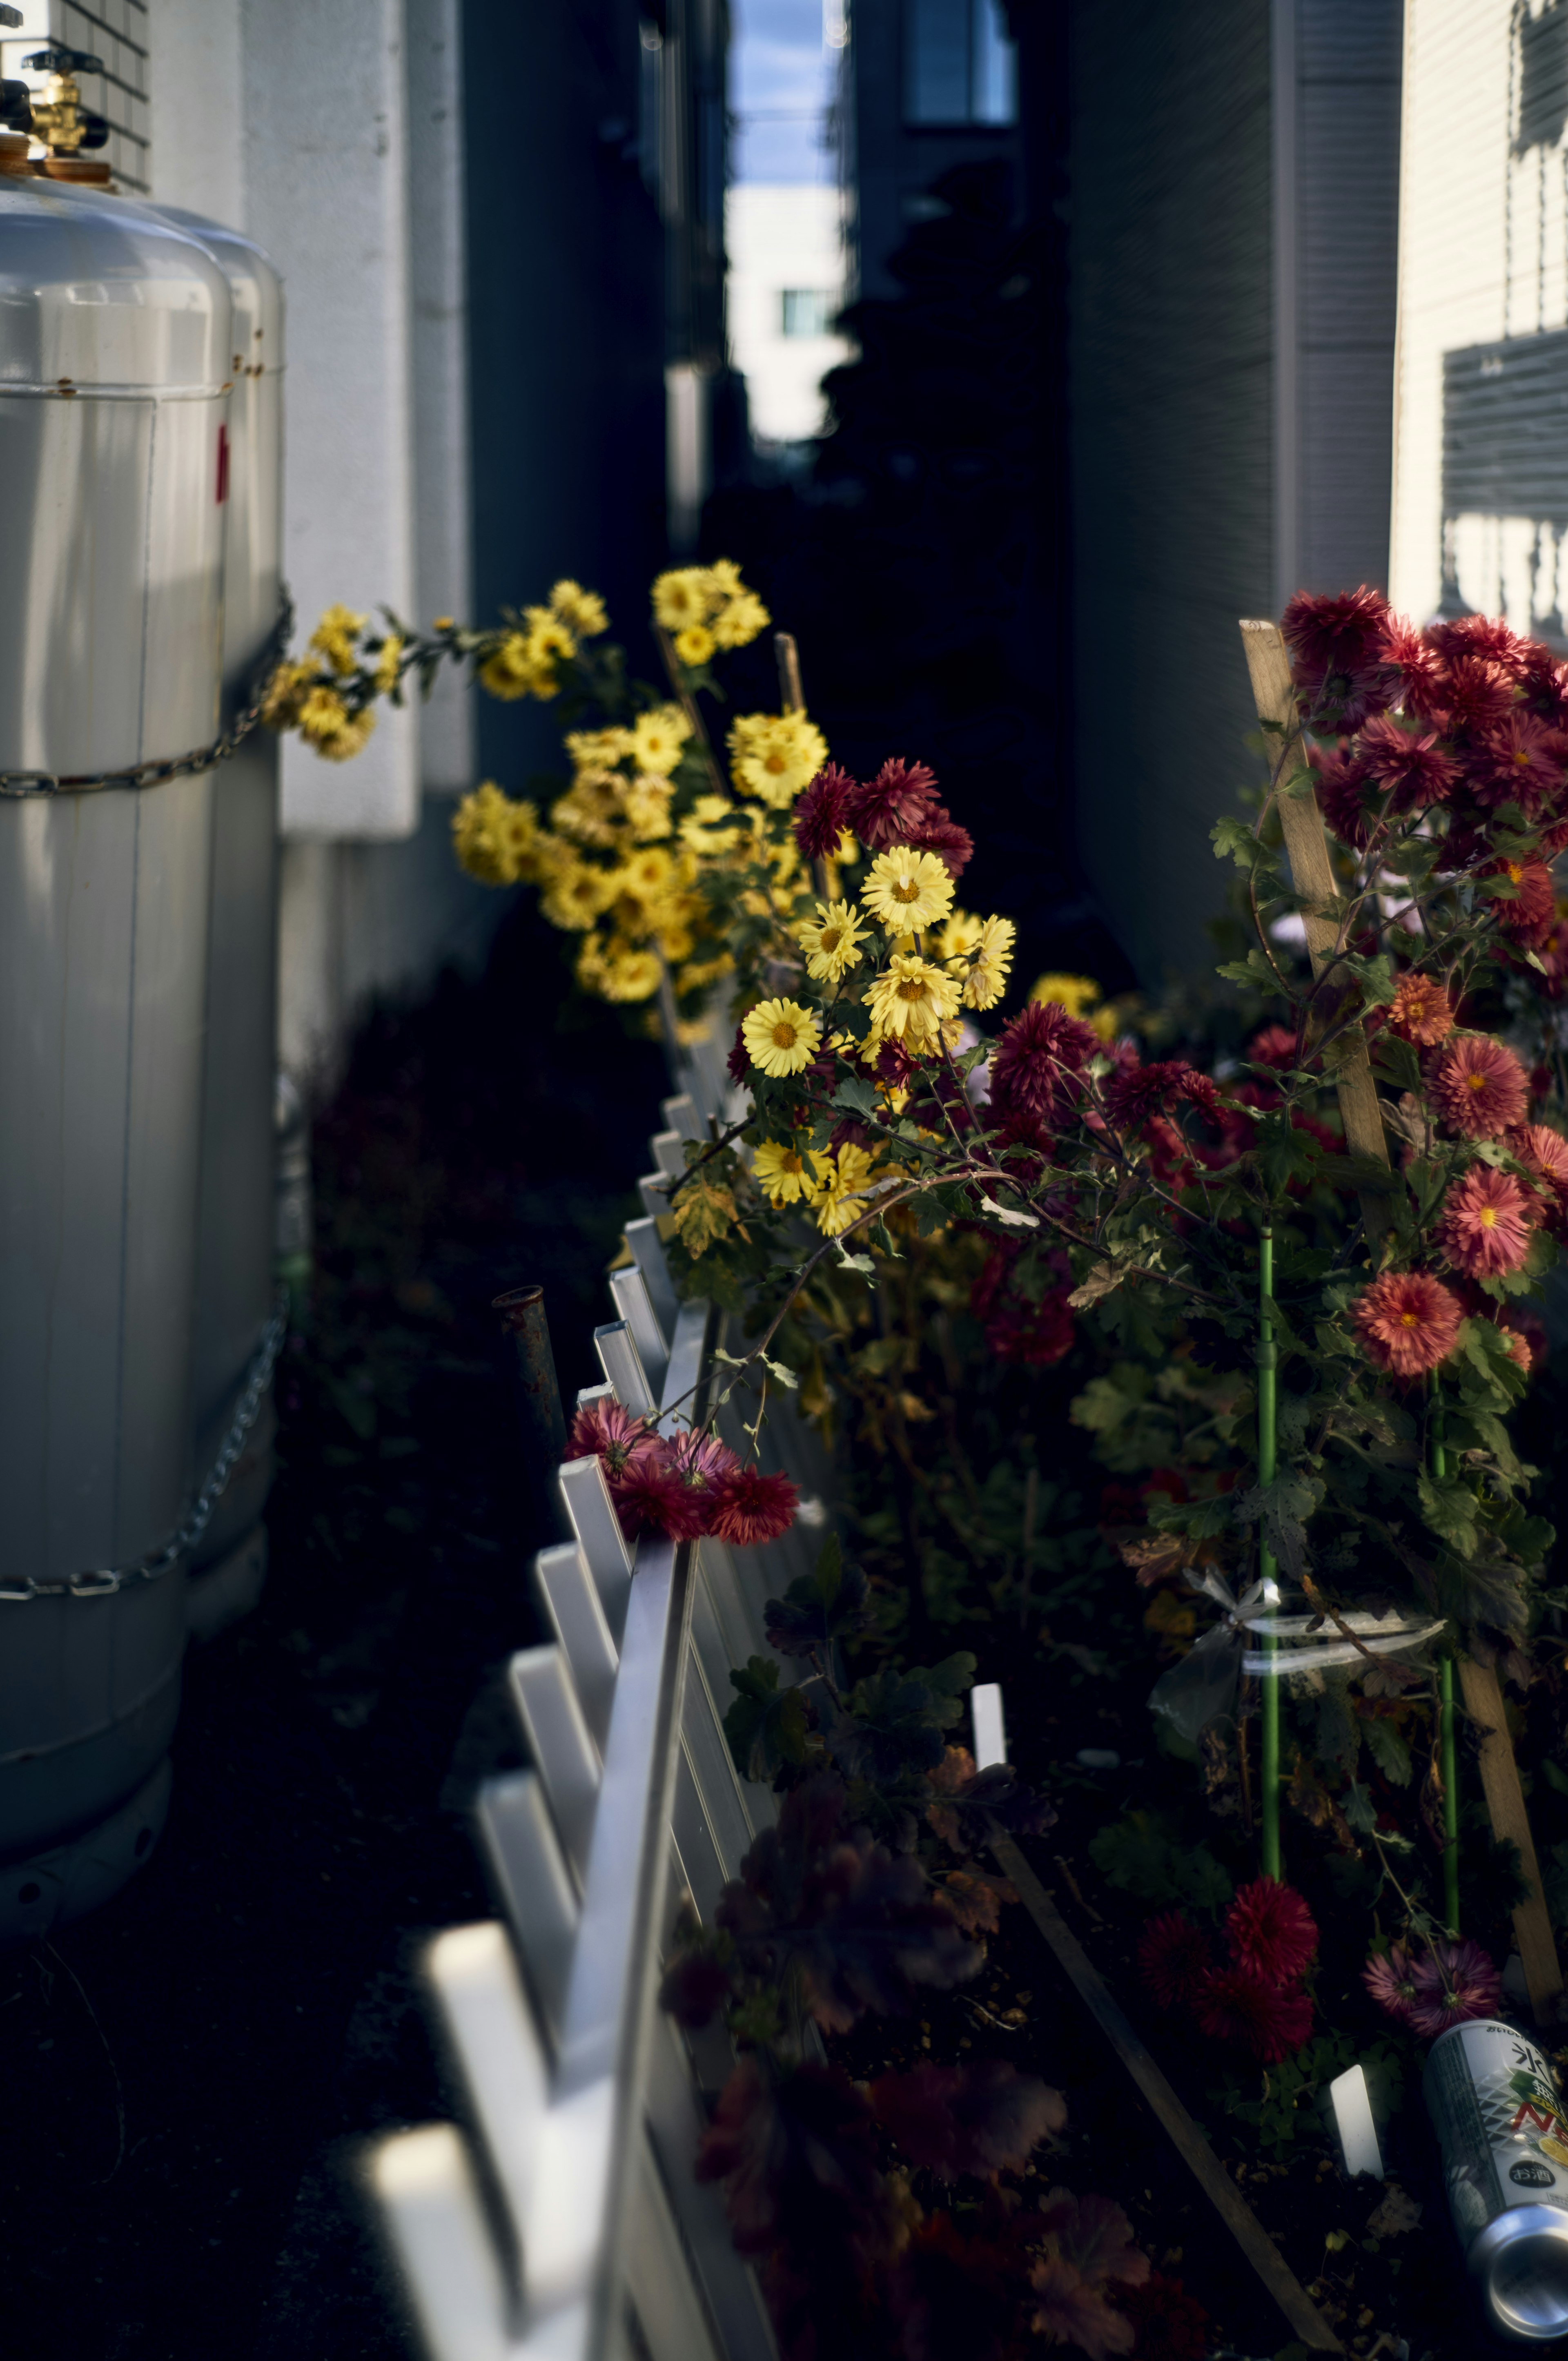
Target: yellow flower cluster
[[835, 1184], [775, 755], [526, 662], [305, 695], [707, 608]]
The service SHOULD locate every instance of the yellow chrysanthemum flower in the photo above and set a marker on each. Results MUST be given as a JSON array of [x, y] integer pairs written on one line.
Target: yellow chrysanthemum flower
[[509, 671], [285, 694], [482, 835], [724, 579], [694, 645], [911, 1000], [775, 755], [597, 749], [908, 891], [682, 596], [589, 811], [832, 941], [582, 611], [577, 897], [1076, 994], [335, 635], [987, 978], [739, 623], [646, 801], [701, 976], [650, 873], [959, 938], [326, 723], [658, 738], [780, 1036], [711, 828], [781, 1174], [841, 1187], [617, 970], [387, 663]]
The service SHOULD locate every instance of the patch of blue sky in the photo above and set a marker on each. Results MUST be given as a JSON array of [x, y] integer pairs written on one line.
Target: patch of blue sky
[[782, 78]]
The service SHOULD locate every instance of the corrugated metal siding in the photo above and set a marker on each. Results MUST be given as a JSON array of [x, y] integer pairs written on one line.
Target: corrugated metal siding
[[1481, 495], [1176, 494]]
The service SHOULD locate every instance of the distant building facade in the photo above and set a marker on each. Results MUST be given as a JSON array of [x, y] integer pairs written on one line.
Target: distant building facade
[[786, 278]]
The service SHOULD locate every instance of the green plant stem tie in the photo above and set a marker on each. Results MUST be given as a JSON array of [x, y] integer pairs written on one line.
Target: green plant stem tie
[[1267, 1407], [1447, 1754]]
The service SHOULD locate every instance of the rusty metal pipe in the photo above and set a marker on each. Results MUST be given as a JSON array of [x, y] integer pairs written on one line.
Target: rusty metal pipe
[[541, 1426]]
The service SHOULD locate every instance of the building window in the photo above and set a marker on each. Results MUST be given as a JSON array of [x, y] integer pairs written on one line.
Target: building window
[[807, 311], [959, 65]]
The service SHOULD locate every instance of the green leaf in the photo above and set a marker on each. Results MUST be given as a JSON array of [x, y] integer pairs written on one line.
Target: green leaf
[[1140, 1856], [1234, 838], [856, 1095], [1375, 977], [1254, 970], [705, 1213], [1396, 1061], [1359, 1809], [860, 1262], [1387, 1748], [1449, 1509], [785, 1375], [765, 1727], [1555, 1774]]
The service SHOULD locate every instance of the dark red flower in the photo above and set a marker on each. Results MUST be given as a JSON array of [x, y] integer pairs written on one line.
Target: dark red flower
[[1335, 641], [1174, 1959], [1415, 769], [649, 1498], [750, 1508], [1135, 1094], [1269, 2019], [1271, 1930], [883, 810], [738, 1065], [939, 833], [821, 814], [1482, 635], [1530, 914], [1544, 682], [1275, 1046], [1041, 1052], [1477, 695], [1170, 2324], [1032, 1336], [1518, 761], [1413, 668], [1344, 794], [1453, 1981]]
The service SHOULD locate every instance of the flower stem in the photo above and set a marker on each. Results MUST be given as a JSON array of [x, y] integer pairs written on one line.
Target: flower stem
[[1448, 1753], [1267, 1382]]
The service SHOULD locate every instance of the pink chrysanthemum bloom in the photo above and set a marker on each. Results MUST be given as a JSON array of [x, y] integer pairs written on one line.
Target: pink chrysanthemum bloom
[[1480, 1087], [1486, 1225], [1482, 635], [1530, 914], [1390, 1980], [1269, 2019], [1173, 1960], [1408, 1322], [1413, 668], [1345, 795], [1038, 1059], [1525, 1337], [883, 811], [604, 1430], [1543, 1152], [1520, 761], [1414, 768], [750, 1508], [1421, 1010], [649, 1498], [1271, 1930], [1477, 695], [1453, 1981], [821, 814]]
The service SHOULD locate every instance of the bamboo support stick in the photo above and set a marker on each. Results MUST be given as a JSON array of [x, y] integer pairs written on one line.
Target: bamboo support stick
[[1305, 2321], [1448, 1753], [1511, 1822], [1268, 1388], [792, 696], [1312, 873]]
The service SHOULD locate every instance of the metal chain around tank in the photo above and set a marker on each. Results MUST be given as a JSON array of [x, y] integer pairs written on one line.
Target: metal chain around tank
[[172, 767], [101, 1582]]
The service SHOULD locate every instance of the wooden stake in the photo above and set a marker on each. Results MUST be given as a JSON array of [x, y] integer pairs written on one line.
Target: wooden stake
[[1510, 1821], [1311, 874], [792, 696], [1301, 2315]]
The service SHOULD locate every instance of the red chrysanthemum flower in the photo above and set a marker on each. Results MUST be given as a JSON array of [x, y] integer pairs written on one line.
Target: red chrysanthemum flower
[[1453, 1981], [1335, 642], [738, 1064], [602, 1430], [1414, 769], [1530, 914], [883, 811], [1526, 1338], [1486, 1225], [1269, 2019], [1031, 1335], [1038, 1059], [1480, 1088], [1413, 668], [1169, 2325], [1544, 683], [1276, 1047], [1518, 761], [701, 1460], [1482, 635], [1271, 1930], [1174, 1959], [821, 814], [1135, 1094], [1388, 1977], [1543, 1153], [939, 833], [750, 1508], [1345, 795], [1421, 1011], [1408, 1322], [1477, 695], [649, 1498]]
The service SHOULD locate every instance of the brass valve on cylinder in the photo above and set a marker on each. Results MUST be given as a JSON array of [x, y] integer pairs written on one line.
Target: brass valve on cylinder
[[61, 120]]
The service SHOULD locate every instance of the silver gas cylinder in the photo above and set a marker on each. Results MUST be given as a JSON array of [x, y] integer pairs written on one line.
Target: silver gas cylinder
[[235, 1237], [115, 348]]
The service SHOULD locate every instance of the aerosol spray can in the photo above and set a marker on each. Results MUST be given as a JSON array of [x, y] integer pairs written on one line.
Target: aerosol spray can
[[1493, 2098]]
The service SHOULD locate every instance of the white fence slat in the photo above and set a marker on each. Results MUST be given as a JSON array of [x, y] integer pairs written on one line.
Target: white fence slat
[[533, 1885], [725, 1802], [506, 2074], [681, 1115], [425, 2184], [990, 1729], [648, 1253], [562, 1749], [676, 2124], [598, 1528], [654, 1187], [669, 1153], [668, 2298], [635, 1306], [701, 1861], [622, 1365], [576, 1613]]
